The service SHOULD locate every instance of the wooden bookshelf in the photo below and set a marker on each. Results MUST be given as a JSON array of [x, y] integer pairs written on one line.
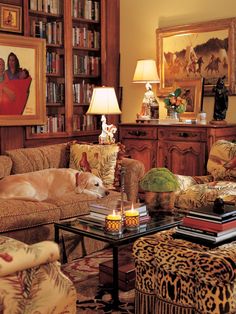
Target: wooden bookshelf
[[96, 54]]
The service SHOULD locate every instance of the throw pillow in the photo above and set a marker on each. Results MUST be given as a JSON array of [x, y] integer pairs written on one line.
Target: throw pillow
[[5, 166], [220, 155], [101, 160]]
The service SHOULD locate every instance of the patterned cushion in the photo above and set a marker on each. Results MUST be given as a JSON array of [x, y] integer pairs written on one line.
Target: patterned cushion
[[5, 166], [38, 158], [201, 194], [101, 160], [221, 153]]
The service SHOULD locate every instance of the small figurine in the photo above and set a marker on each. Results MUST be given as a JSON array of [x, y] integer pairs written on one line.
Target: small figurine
[[108, 131], [221, 100], [149, 101]]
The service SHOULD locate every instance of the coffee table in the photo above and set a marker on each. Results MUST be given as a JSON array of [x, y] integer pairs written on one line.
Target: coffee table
[[78, 226]]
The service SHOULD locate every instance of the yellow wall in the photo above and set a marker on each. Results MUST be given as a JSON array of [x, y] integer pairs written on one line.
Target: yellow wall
[[139, 20]]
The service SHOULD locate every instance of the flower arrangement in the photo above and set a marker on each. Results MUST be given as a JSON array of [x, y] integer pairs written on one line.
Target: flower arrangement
[[175, 102]]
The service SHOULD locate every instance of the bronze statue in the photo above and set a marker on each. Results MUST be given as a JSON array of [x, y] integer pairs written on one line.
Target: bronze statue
[[221, 100]]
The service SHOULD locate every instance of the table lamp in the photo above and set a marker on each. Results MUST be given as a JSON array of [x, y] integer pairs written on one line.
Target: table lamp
[[146, 72], [103, 102]]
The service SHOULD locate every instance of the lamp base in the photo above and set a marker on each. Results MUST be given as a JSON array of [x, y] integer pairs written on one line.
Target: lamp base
[[108, 132]]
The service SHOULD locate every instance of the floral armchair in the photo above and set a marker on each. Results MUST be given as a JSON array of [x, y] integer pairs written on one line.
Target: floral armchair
[[31, 280], [220, 182]]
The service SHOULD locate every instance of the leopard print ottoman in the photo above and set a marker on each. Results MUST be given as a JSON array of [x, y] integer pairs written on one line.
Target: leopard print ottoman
[[177, 276]]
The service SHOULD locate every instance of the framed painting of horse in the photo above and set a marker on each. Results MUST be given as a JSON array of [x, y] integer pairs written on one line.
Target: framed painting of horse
[[22, 80], [201, 50]]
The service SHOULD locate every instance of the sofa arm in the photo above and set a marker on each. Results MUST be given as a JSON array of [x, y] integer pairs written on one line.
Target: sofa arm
[[17, 256], [186, 181], [134, 171]]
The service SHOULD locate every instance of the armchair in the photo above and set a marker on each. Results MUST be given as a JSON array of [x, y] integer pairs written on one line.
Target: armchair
[[31, 280], [220, 182]]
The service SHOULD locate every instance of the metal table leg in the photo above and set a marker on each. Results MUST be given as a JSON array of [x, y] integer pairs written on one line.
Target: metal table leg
[[115, 292]]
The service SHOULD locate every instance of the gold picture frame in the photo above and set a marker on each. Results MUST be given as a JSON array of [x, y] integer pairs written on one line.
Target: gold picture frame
[[191, 90], [10, 18], [201, 50], [23, 80]]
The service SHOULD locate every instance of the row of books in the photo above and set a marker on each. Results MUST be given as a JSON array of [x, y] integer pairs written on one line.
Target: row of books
[[208, 225], [46, 6], [52, 31], [54, 124], [54, 63], [83, 122], [86, 9], [85, 38], [55, 92], [88, 65], [82, 92]]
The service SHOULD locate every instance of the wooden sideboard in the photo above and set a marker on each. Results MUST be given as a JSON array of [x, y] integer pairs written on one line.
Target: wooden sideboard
[[182, 148]]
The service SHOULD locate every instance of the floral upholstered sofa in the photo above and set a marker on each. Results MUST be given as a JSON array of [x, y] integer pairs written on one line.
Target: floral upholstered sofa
[[220, 181], [31, 222], [31, 280], [174, 275]]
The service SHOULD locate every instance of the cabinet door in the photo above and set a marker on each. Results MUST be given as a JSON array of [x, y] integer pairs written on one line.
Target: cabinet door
[[142, 150], [186, 158]]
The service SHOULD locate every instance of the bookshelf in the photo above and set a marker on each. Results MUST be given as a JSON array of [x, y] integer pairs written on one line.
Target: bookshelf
[[79, 50]]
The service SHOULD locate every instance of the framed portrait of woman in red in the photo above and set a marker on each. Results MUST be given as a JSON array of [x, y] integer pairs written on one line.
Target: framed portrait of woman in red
[[22, 80]]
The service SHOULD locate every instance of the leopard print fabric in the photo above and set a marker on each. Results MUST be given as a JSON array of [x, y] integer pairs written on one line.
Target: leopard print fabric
[[178, 276]]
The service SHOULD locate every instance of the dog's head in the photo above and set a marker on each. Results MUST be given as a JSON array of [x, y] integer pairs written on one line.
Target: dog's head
[[88, 183]]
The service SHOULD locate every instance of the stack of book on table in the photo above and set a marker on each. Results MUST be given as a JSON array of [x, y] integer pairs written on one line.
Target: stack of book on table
[[210, 226], [98, 212]]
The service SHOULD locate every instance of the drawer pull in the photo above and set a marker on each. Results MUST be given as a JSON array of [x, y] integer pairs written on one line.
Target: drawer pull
[[137, 133], [185, 134]]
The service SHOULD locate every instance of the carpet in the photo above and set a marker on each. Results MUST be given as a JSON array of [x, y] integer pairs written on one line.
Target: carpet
[[91, 296]]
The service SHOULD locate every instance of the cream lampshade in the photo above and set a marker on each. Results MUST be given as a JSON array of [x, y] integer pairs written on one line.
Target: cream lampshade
[[103, 102], [146, 72]]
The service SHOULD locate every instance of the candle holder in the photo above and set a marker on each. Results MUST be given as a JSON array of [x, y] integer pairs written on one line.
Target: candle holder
[[132, 219], [114, 224]]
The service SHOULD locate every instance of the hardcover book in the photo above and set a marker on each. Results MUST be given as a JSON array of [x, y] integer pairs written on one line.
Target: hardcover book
[[209, 212], [206, 232], [208, 238], [205, 224]]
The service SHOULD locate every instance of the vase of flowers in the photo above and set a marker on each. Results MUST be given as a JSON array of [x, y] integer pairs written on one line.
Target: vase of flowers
[[175, 104]]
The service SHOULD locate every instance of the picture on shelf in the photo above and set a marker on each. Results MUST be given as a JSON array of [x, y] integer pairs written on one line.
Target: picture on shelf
[[22, 81], [201, 50], [10, 18], [191, 91]]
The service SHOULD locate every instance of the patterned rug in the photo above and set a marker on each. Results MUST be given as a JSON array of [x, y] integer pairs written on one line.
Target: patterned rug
[[93, 297]]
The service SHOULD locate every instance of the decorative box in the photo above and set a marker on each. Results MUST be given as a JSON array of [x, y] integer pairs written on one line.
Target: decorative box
[[126, 274]]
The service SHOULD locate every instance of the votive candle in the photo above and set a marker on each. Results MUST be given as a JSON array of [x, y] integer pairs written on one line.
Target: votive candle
[[132, 218], [113, 223]]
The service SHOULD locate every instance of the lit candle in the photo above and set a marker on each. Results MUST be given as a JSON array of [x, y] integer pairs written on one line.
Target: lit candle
[[132, 218], [114, 216], [113, 223]]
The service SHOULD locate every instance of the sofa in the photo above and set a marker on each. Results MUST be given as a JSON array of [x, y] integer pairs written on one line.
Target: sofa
[[174, 275], [31, 222], [31, 280]]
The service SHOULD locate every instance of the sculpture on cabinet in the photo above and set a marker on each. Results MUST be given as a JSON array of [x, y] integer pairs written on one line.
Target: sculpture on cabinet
[[221, 102]]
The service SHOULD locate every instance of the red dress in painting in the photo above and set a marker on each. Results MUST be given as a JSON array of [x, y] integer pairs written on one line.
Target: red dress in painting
[[14, 95]]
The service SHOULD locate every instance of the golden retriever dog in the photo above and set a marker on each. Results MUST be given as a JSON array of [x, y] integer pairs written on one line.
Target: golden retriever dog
[[50, 184]]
